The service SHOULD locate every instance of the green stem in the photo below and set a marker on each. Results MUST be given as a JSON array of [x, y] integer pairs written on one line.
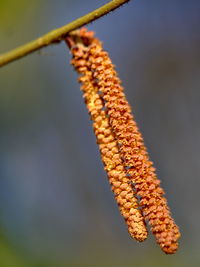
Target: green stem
[[58, 34]]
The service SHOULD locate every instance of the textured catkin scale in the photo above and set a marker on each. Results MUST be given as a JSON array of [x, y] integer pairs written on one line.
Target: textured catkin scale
[[128, 140], [113, 164]]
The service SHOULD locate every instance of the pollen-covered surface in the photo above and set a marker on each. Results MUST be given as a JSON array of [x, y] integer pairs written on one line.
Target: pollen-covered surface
[[120, 184], [128, 139], [133, 151]]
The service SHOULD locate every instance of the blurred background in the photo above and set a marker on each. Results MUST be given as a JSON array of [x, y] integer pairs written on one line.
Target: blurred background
[[56, 206]]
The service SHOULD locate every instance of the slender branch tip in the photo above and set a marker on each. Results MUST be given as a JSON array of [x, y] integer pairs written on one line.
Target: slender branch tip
[[57, 35]]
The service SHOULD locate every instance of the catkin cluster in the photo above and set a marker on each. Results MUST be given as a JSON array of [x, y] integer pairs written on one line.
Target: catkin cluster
[[130, 172]]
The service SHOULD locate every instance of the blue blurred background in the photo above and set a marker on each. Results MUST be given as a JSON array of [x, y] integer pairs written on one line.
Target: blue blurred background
[[56, 207]]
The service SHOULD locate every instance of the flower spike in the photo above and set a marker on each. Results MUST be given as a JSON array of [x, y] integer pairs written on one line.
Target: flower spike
[[122, 148]]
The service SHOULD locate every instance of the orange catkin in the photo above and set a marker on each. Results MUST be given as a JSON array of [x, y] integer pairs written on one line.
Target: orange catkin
[[113, 164], [128, 141]]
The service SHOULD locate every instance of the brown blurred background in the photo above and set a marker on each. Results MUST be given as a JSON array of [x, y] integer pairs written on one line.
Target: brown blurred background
[[56, 207]]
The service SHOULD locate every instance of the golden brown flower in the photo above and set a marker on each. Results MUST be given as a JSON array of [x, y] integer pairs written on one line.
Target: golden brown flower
[[133, 151], [113, 164], [113, 109]]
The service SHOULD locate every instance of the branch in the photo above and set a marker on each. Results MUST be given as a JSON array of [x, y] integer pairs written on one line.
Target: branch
[[58, 34]]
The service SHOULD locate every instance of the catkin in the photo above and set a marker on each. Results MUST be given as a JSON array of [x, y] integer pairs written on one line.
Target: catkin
[[107, 105], [113, 164]]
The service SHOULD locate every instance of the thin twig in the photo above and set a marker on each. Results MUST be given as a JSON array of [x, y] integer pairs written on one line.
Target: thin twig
[[57, 35]]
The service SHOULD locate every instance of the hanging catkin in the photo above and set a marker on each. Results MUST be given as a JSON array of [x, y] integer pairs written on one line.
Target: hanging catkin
[[108, 106], [120, 184]]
